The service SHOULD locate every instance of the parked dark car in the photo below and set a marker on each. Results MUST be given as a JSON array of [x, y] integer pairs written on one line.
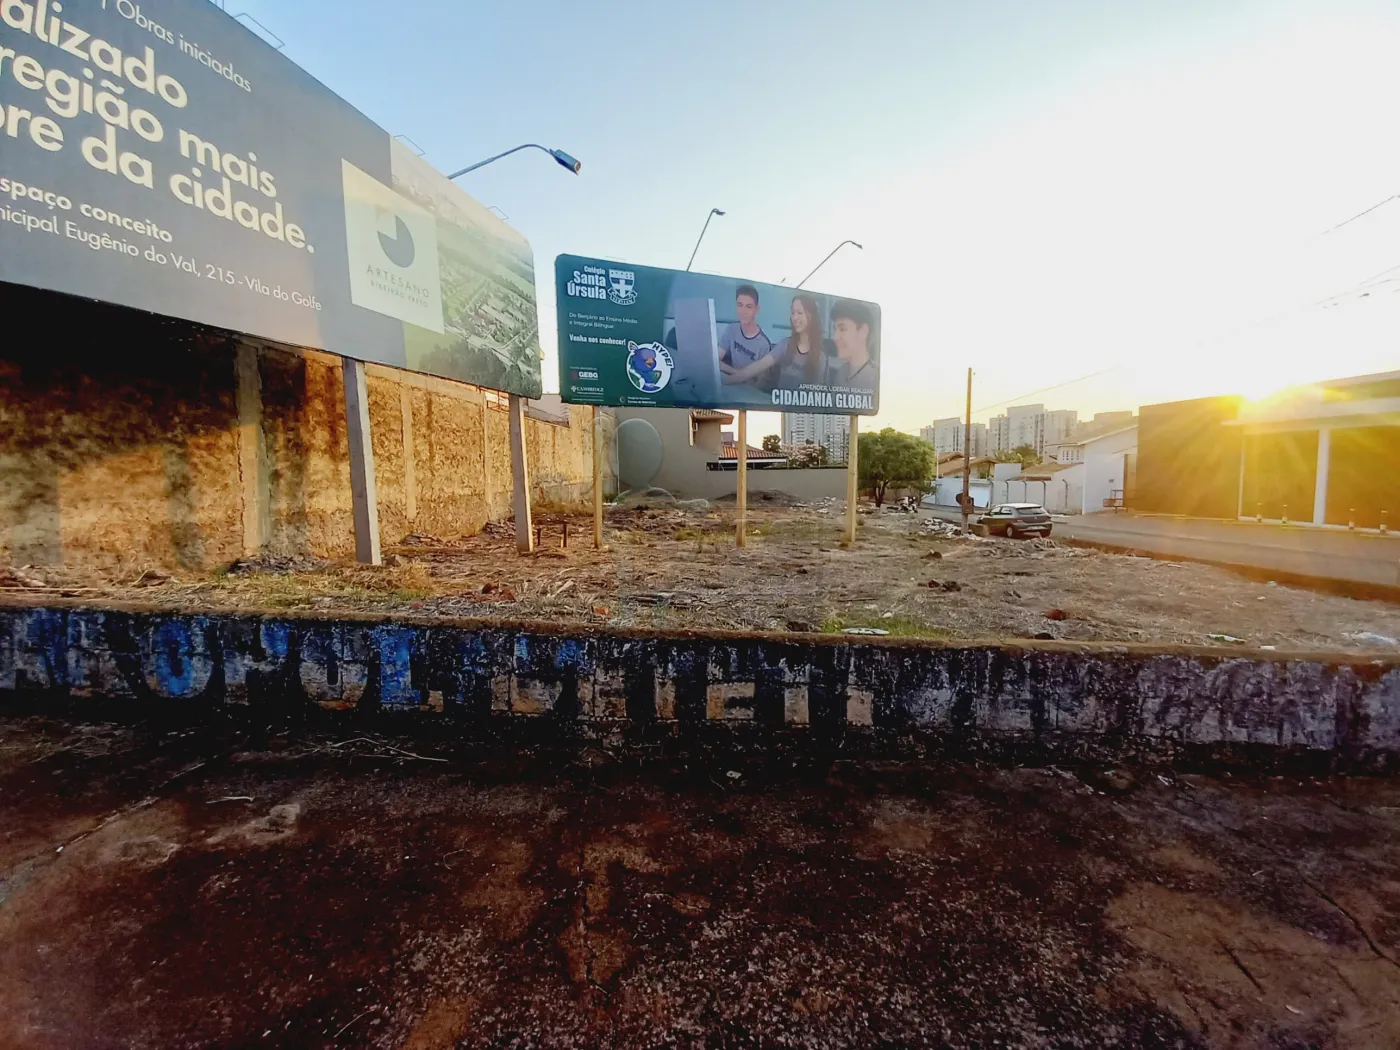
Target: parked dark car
[[1015, 520]]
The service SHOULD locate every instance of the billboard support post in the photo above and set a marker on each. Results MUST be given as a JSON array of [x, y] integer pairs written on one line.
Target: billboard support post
[[520, 477], [597, 478], [742, 491], [251, 451], [967, 462], [364, 496], [852, 483]]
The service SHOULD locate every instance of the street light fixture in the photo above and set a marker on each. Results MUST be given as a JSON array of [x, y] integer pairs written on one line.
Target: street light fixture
[[562, 158], [828, 256], [713, 213]]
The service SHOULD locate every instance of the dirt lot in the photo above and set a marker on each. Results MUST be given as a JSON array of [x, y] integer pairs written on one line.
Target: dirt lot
[[190, 890], [671, 567]]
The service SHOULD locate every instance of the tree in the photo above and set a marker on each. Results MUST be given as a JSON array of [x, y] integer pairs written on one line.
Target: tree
[[772, 443], [808, 455], [891, 458], [1026, 455]]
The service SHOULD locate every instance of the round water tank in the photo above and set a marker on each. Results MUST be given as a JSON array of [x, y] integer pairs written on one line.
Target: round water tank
[[639, 453]]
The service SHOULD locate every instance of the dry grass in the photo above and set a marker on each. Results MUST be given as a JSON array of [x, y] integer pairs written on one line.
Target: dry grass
[[669, 568]]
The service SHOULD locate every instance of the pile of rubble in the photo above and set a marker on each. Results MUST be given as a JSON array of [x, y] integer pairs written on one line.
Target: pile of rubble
[[940, 529]]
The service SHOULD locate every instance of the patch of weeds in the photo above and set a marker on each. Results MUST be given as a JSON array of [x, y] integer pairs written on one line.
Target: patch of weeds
[[898, 625], [802, 530]]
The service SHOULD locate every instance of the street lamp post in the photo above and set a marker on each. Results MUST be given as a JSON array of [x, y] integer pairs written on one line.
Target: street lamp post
[[853, 442], [713, 213], [520, 473], [827, 259], [563, 159]]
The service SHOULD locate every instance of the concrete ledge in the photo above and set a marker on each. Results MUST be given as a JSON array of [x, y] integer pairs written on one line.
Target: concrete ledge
[[1380, 592], [572, 682]]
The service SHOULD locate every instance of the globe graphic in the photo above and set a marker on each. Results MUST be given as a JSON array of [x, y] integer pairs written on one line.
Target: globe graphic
[[649, 368]]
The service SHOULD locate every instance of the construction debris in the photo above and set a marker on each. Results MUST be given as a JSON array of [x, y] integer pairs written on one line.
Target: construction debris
[[674, 568]]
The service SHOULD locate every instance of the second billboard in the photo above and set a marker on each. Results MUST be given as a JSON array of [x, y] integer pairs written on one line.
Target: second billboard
[[645, 336]]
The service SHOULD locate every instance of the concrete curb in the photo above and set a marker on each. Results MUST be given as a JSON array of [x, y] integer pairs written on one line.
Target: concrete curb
[[1360, 589], [521, 680]]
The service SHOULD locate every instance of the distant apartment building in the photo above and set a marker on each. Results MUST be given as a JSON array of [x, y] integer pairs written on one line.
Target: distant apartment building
[[948, 435], [1017, 426], [832, 432], [1030, 425], [1060, 425]]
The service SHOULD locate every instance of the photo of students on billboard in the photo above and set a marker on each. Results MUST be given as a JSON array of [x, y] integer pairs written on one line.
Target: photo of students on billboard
[[714, 342]]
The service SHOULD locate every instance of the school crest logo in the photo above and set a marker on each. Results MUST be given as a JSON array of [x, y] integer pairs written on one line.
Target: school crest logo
[[622, 287]]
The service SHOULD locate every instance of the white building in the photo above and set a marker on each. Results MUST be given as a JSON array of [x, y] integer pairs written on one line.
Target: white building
[[1105, 459], [1019, 425], [1060, 425], [831, 431], [1031, 425], [948, 435]]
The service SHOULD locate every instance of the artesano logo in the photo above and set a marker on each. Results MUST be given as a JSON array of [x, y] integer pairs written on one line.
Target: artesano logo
[[393, 252]]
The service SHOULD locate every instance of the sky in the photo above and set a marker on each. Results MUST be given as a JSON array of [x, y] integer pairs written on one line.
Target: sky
[[1136, 193]]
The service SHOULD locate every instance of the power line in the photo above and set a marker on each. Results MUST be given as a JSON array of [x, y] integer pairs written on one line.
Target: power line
[[1045, 390], [1324, 233], [1364, 286]]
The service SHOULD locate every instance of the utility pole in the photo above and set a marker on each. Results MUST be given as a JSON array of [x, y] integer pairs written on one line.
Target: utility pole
[[967, 456]]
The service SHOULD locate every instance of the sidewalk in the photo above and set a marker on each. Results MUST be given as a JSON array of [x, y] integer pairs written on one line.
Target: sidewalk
[[1301, 552]]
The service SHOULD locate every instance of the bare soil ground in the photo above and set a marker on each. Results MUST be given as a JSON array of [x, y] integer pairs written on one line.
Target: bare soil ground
[[670, 567], [194, 890]]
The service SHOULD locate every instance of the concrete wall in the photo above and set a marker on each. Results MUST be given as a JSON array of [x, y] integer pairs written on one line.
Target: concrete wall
[[685, 468], [1188, 461], [1061, 698], [1105, 467], [947, 489], [126, 438], [1062, 493]]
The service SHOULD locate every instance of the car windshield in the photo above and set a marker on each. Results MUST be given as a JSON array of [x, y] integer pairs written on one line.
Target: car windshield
[[1028, 512]]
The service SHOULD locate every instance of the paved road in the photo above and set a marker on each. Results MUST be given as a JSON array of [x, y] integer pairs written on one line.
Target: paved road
[[191, 891], [1321, 553]]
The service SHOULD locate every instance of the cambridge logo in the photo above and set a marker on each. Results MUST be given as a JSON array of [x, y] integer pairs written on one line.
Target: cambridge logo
[[648, 366], [622, 287]]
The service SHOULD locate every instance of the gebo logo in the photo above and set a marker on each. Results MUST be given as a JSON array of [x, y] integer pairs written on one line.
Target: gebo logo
[[622, 287], [648, 366]]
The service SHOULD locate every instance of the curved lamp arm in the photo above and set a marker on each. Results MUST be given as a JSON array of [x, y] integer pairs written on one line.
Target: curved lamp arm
[[563, 159]]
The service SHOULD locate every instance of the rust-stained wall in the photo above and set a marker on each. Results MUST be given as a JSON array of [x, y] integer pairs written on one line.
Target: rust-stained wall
[[1063, 700], [120, 445]]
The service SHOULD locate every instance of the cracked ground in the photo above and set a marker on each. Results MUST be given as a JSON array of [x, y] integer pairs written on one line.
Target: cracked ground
[[200, 890]]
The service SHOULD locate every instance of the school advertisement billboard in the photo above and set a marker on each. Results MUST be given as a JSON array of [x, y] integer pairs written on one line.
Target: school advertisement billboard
[[645, 336], [158, 155]]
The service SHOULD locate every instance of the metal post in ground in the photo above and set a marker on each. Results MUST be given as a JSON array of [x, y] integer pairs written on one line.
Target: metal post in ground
[[967, 458], [597, 479], [852, 480], [520, 477], [363, 493], [742, 492]]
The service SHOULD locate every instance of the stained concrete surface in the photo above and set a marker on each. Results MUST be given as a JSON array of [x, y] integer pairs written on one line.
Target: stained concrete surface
[[196, 890]]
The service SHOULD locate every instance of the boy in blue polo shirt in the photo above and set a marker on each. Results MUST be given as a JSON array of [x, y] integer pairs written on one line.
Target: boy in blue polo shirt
[[743, 342]]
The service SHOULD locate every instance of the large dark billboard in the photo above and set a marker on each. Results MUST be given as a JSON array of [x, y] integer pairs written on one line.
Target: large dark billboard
[[642, 335], [159, 155]]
